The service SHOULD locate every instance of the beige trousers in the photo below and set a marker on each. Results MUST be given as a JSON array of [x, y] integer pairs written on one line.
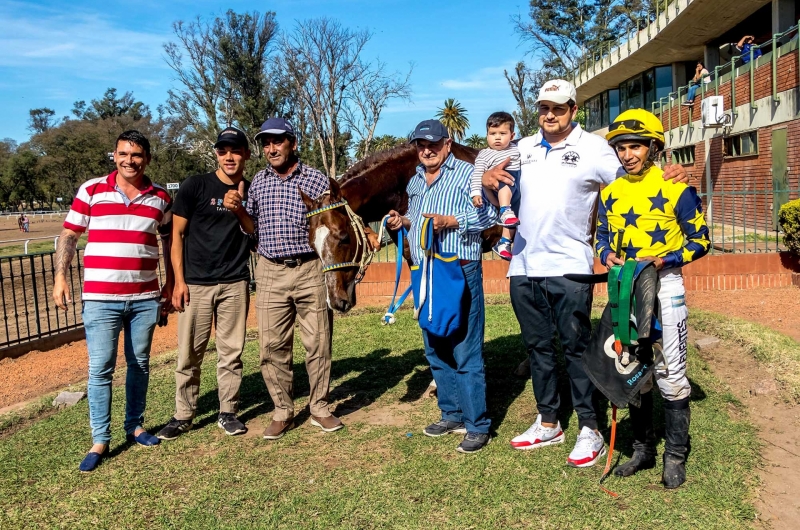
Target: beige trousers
[[225, 306], [284, 294]]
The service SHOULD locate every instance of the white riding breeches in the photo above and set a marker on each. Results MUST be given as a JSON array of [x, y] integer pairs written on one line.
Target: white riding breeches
[[671, 374]]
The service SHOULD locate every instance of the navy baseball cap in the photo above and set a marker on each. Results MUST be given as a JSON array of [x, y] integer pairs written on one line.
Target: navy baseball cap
[[232, 136], [277, 126], [431, 130]]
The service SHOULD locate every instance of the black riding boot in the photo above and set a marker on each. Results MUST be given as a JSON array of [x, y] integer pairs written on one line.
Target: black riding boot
[[676, 427], [644, 439]]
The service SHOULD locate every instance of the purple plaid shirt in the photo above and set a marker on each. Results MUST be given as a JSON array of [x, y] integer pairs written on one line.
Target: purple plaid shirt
[[278, 210]]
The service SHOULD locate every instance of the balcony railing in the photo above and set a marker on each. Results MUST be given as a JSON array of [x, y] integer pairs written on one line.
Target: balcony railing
[[779, 45]]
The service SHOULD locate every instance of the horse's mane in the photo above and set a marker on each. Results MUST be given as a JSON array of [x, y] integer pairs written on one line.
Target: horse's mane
[[378, 159]]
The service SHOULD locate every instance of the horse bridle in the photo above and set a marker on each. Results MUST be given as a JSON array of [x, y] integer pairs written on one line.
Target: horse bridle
[[361, 239]]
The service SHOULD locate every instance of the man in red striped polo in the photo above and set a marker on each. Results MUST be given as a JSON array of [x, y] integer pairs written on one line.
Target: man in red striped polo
[[123, 212]]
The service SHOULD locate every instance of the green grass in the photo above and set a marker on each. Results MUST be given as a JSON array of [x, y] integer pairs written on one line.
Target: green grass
[[379, 472], [777, 352], [34, 247]]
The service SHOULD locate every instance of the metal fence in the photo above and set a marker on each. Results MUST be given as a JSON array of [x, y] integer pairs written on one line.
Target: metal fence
[[26, 286], [744, 221]]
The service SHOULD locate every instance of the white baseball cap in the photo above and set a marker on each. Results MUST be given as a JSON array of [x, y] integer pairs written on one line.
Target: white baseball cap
[[558, 91]]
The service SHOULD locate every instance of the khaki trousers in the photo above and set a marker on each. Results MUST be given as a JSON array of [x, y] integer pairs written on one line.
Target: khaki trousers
[[284, 294], [225, 306]]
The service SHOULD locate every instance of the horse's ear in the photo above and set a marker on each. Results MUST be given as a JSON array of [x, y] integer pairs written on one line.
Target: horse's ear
[[308, 201], [336, 193]]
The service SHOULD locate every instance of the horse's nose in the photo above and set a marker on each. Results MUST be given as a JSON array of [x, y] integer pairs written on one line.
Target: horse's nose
[[344, 306]]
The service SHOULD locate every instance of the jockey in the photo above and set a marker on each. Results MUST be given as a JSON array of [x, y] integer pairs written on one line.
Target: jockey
[[663, 222]]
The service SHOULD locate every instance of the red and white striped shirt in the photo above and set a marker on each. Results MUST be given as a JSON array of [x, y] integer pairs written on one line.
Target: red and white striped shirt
[[121, 256]]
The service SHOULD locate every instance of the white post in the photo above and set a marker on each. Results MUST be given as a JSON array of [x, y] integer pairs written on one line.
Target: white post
[[26, 245], [55, 243]]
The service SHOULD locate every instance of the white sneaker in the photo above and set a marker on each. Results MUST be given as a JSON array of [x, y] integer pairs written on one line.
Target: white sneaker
[[538, 436], [588, 449]]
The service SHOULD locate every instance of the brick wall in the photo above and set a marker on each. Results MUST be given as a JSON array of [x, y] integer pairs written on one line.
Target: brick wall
[[751, 174], [762, 81], [717, 272]]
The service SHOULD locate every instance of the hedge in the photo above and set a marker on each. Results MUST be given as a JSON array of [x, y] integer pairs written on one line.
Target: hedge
[[789, 219]]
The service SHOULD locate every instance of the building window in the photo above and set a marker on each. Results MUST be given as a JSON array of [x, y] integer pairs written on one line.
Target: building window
[[663, 81], [744, 144], [613, 104], [593, 114], [604, 110], [684, 155]]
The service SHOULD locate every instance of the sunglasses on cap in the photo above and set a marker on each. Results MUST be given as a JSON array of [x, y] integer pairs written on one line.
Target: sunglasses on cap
[[630, 125]]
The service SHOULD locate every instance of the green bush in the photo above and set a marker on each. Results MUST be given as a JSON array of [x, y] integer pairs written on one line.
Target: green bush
[[789, 219]]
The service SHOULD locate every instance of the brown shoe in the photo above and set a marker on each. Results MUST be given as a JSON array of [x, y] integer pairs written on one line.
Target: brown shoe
[[328, 423], [277, 429]]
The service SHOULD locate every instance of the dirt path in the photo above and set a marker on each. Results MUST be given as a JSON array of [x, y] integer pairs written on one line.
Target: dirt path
[[777, 308], [778, 425]]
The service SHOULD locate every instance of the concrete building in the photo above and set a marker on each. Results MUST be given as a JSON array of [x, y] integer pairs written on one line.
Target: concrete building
[[739, 140]]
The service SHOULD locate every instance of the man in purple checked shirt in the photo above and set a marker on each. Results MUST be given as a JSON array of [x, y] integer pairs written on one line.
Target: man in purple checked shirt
[[289, 277]]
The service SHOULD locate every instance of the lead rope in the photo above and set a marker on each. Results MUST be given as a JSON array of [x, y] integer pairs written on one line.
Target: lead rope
[[388, 318]]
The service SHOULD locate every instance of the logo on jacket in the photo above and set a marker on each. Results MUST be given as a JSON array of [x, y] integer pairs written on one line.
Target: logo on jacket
[[570, 158]]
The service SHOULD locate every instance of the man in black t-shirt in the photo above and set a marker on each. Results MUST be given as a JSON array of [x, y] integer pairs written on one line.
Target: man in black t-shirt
[[210, 256]]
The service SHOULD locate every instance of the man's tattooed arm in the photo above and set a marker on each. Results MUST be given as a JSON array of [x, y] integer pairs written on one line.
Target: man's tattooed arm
[[67, 243]]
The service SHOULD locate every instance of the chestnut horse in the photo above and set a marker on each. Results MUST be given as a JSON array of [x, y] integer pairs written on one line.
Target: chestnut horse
[[365, 194]]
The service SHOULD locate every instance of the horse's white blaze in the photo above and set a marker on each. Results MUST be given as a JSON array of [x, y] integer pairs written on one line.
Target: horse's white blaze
[[319, 241], [320, 236]]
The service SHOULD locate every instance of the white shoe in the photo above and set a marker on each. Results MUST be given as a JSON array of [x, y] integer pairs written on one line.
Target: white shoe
[[538, 436], [588, 449]]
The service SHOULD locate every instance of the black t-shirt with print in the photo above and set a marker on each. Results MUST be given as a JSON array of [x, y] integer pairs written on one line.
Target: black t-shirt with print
[[215, 250]]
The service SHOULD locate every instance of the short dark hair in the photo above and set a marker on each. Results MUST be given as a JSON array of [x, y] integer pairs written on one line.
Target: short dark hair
[[134, 137], [496, 119]]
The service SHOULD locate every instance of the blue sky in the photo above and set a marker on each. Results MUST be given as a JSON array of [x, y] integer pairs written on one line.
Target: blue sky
[[55, 53]]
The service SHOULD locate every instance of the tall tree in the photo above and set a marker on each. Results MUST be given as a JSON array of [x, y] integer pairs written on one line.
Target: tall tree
[[223, 73], [243, 47], [454, 117], [110, 106], [321, 64], [41, 120], [368, 97], [524, 84]]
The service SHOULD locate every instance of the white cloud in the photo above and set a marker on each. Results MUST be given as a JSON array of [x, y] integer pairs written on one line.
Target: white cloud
[[86, 43], [484, 80]]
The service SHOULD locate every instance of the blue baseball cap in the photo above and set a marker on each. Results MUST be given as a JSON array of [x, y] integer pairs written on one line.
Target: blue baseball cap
[[277, 126], [431, 130]]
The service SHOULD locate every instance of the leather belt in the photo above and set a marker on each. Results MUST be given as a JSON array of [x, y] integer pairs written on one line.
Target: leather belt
[[467, 261], [294, 261]]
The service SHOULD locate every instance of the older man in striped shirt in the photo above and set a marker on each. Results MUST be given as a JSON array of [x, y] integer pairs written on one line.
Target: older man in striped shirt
[[440, 190], [123, 213]]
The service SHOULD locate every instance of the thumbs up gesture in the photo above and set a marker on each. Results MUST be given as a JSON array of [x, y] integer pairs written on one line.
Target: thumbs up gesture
[[234, 198]]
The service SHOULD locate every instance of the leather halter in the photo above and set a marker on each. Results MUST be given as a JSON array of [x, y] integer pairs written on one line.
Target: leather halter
[[361, 239]]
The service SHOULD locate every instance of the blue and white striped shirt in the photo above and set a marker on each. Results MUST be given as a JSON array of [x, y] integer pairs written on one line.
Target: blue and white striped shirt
[[448, 195]]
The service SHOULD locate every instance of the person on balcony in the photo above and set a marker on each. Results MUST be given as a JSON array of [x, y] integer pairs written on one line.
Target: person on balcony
[[701, 76], [744, 46]]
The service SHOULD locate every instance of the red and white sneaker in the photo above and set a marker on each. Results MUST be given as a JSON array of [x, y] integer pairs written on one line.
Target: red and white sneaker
[[538, 436], [588, 449], [503, 249], [508, 218]]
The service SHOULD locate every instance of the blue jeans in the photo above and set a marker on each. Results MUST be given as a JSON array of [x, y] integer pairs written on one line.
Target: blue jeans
[[457, 361], [691, 92], [103, 320]]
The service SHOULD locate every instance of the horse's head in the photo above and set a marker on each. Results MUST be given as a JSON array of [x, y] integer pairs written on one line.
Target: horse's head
[[339, 238]]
